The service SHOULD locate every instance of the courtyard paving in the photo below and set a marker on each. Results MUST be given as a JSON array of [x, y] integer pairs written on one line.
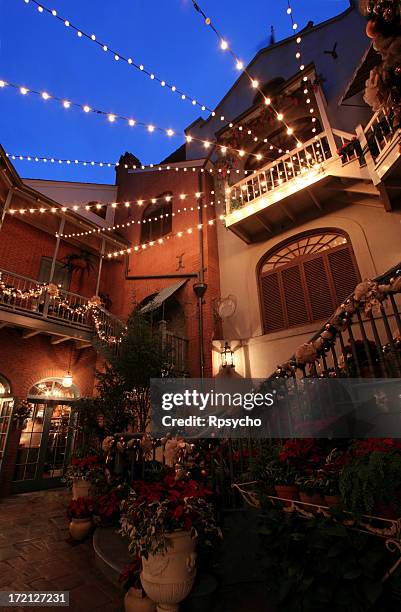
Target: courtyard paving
[[37, 555]]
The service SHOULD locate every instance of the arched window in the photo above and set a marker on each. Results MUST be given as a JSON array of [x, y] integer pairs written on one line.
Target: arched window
[[52, 389], [304, 280], [156, 220]]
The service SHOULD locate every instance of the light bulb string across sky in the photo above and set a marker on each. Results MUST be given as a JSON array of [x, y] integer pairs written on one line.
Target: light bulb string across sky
[[240, 66], [51, 159], [298, 56], [161, 241], [182, 197], [117, 55], [114, 117]]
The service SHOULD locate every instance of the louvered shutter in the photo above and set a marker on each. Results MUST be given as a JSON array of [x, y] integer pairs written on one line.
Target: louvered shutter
[[294, 293], [343, 272], [272, 304], [318, 286]]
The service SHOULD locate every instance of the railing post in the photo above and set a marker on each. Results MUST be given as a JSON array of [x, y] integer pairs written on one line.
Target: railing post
[[322, 106], [6, 206], [370, 164], [99, 272], [53, 266]]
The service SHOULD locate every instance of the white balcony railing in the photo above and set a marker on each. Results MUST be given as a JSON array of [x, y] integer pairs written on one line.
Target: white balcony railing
[[279, 172], [379, 133]]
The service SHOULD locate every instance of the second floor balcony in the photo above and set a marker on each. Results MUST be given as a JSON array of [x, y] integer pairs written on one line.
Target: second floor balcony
[[47, 309], [299, 184]]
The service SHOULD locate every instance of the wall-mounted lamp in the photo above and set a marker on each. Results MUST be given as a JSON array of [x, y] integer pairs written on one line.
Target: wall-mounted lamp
[[227, 357]]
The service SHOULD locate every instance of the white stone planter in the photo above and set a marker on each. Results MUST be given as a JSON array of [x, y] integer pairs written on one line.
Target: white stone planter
[[81, 488], [134, 602], [168, 578]]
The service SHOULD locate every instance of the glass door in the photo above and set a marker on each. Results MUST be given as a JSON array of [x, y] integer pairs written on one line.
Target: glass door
[[44, 447]]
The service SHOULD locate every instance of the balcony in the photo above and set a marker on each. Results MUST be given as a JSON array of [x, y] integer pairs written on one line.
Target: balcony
[[296, 186], [26, 304], [381, 143]]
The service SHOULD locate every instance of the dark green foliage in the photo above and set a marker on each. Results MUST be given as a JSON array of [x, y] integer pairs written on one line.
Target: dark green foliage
[[124, 385], [315, 565], [370, 480]]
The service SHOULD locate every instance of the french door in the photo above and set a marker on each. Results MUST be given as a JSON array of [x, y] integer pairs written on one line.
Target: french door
[[45, 446]]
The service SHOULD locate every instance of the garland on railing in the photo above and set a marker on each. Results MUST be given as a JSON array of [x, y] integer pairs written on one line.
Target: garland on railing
[[367, 296], [93, 306]]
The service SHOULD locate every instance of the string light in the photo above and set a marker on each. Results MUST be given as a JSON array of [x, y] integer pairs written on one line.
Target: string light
[[144, 245], [115, 205], [254, 82], [128, 121], [298, 56], [117, 55], [103, 164]]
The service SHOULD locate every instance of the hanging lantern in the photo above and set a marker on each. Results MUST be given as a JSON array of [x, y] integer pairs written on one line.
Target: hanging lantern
[[227, 357], [67, 380]]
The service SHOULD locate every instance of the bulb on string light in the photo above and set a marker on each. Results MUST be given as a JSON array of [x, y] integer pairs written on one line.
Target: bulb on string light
[[239, 65], [86, 108], [24, 90], [151, 128], [66, 104], [111, 118], [224, 45], [131, 122], [255, 83]]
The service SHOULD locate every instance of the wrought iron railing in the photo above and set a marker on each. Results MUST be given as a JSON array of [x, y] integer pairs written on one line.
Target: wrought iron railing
[[274, 175], [23, 295], [370, 346]]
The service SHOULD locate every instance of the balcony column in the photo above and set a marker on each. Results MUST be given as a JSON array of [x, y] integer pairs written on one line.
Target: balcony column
[[370, 163], [53, 266], [6, 206], [322, 106], [99, 272]]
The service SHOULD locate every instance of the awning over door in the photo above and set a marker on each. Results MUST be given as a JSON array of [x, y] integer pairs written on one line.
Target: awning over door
[[162, 296]]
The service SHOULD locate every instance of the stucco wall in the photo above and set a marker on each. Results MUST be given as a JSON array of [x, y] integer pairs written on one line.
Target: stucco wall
[[376, 240]]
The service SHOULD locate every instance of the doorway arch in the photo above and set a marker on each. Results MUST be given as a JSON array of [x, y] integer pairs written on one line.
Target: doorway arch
[[48, 435]]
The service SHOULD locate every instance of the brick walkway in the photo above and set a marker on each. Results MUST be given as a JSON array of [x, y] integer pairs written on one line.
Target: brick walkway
[[35, 554]]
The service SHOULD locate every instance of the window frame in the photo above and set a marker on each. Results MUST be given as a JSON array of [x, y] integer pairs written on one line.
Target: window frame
[[168, 221], [298, 261]]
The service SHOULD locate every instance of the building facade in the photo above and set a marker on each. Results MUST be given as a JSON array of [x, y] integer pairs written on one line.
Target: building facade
[[250, 244]]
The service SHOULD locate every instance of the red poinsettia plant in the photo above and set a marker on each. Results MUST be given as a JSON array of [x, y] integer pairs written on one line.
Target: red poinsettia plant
[[88, 468], [154, 510], [301, 452], [108, 507], [375, 445], [130, 577], [80, 508]]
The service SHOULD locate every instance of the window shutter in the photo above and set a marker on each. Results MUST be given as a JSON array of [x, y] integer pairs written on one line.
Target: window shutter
[[343, 272], [318, 285], [294, 292], [272, 304]]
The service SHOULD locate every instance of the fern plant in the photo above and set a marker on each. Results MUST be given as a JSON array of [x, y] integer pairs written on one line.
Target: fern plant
[[370, 480]]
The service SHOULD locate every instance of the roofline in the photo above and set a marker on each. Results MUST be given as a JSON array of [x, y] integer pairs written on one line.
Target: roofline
[[70, 182], [29, 192], [285, 41]]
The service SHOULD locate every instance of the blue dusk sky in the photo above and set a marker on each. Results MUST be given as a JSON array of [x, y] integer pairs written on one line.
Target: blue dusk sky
[[168, 36]]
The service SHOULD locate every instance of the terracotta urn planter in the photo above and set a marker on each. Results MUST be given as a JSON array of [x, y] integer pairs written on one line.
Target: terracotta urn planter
[[81, 488], [135, 601], [168, 577], [287, 491], [332, 500], [80, 528], [311, 498]]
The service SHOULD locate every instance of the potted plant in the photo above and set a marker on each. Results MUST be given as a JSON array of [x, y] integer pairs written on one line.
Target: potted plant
[[283, 476], [163, 521], [80, 512], [331, 473], [108, 507], [83, 475], [370, 483], [82, 261], [135, 599], [310, 488]]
